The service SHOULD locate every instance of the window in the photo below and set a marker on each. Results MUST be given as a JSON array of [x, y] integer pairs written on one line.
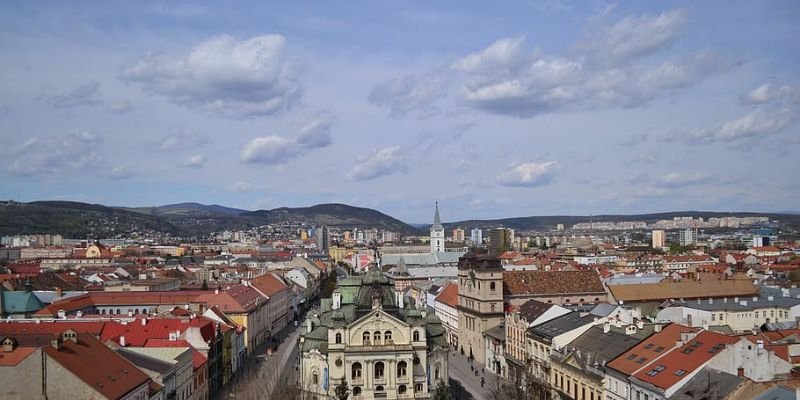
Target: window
[[338, 338], [436, 373], [659, 349], [338, 362], [713, 317], [418, 388], [356, 391], [376, 337], [314, 378], [649, 346], [680, 372], [416, 360], [641, 360], [356, 370], [492, 286], [379, 370], [401, 389], [366, 338], [402, 369], [416, 336], [379, 388], [630, 357], [387, 336], [492, 307]]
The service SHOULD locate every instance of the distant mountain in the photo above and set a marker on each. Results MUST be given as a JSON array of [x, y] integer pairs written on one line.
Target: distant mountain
[[548, 222], [74, 219], [339, 215]]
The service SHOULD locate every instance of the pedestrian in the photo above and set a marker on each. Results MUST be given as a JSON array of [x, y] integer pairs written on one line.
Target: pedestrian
[[483, 381]]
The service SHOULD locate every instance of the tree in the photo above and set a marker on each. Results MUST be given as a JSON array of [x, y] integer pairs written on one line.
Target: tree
[[341, 391], [442, 392]]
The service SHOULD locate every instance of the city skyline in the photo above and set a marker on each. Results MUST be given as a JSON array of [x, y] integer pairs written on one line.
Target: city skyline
[[497, 111]]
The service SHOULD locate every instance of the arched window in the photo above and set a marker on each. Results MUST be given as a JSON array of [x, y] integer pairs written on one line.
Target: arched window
[[356, 391], [315, 378], [118, 311], [356, 371], [379, 388], [416, 336], [401, 389], [376, 337], [366, 338], [492, 286], [338, 338], [492, 306], [416, 360], [418, 388], [387, 336], [402, 369], [379, 370]]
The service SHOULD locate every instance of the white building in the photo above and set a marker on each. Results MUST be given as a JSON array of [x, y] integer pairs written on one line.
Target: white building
[[437, 233]]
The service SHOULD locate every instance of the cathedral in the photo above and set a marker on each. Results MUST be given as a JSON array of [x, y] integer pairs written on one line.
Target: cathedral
[[367, 337]]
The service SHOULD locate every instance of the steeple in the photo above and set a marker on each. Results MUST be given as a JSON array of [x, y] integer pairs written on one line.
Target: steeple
[[437, 221]]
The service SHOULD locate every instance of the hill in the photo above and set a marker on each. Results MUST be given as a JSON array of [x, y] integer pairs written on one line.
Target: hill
[[77, 220], [338, 215]]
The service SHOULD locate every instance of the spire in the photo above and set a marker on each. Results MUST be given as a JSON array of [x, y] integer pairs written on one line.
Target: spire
[[437, 221]]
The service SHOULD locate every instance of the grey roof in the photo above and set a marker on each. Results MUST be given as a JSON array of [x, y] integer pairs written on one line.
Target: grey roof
[[437, 221], [498, 332], [421, 259], [777, 393], [779, 326], [633, 279], [744, 303], [532, 309], [145, 361], [560, 325], [596, 347], [709, 384], [48, 296], [603, 309]]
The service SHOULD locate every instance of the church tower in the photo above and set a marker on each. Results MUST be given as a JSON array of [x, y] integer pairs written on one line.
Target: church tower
[[437, 233]]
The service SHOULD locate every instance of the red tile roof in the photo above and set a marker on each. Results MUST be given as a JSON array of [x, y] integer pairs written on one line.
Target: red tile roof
[[237, 299], [98, 366], [269, 284], [16, 356], [694, 354], [649, 349], [49, 328], [551, 282], [449, 295], [137, 334]]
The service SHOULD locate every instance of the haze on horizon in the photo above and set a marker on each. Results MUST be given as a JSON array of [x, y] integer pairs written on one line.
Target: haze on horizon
[[497, 110]]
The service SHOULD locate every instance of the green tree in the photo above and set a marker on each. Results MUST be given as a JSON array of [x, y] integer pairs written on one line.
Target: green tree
[[341, 391], [442, 392]]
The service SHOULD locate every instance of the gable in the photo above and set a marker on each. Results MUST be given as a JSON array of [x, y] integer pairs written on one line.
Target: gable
[[378, 320]]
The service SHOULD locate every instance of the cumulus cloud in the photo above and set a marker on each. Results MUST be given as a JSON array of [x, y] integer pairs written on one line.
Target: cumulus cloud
[[316, 132], [87, 94], [224, 76], [379, 162], [313, 133], [753, 125], [677, 180], [528, 174], [605, 71], [194, 161]]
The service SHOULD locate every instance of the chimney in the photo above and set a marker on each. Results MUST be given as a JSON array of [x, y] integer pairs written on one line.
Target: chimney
[[771, 298], [62, 314], [725, 300], [760, 345], [144, 321], [56, 342], [735, 299], [79, 314], [710, 301], [122, 341], [308, 326], [657, 328], [216, 291], [606, 327], [640, 324], [130, 313], [630, 329], [59, 292]]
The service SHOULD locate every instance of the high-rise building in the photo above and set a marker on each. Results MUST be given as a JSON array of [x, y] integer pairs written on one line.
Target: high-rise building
[[458, 235], [760, 241], [687, 237], [437, 233], [323, 236], [476, 237], [499, 240], [659, 238]]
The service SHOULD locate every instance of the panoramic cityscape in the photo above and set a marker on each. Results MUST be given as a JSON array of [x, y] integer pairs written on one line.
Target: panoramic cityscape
[[541, 200]]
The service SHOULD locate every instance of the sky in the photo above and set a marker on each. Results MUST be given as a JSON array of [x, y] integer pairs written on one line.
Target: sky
[[496, 109]]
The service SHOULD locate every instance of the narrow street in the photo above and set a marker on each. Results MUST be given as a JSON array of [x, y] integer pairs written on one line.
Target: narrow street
[[464, 383], [262, 373]]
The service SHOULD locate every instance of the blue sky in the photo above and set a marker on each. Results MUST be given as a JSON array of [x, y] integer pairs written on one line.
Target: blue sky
[[497, 110]]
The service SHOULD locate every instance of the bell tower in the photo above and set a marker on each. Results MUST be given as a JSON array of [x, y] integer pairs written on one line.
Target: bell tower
[[437, 232]]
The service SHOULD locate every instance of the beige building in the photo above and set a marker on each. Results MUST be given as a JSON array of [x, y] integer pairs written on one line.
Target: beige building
[[480, 301], [366, 337], [659, 238]]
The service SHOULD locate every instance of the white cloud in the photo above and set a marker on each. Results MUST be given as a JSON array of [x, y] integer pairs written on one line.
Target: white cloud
[[380, 162], [633, 36], [87, 94], [755, 124], [224, 76], [182, 140], [606, 71], [677, 180], [194, 161], [271, 149], [768, 93], [121, 172], [529, 174], [56, 156]]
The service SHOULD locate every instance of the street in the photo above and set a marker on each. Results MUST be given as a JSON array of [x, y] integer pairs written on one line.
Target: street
[[261, 374], [463, 381]]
